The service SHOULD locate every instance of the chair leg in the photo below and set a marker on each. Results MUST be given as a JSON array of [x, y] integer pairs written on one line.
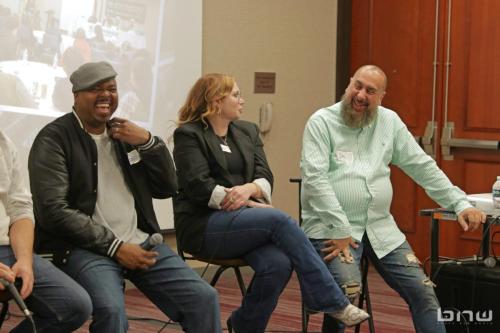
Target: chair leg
[[3, 313], [371, 324], [217, 275], [305, 318], [239, 278], [365, 295], [237, 272]]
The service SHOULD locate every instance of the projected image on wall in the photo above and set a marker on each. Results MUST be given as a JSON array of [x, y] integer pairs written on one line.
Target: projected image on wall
[[156, 54], [43, 42]]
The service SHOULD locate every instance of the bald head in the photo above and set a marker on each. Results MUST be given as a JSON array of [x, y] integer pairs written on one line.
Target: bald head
[[375, 72], [363, 96]]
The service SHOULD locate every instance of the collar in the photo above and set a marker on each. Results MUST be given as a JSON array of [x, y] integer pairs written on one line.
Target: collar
[[78, 118], [83, 127]]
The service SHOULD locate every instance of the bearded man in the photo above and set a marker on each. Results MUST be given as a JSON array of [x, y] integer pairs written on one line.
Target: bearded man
[[347, 193]]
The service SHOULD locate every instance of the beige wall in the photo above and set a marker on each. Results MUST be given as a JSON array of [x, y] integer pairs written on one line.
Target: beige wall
[[296, 39]]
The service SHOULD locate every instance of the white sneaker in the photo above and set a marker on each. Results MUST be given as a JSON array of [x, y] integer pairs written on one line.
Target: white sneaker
[[351, 315]]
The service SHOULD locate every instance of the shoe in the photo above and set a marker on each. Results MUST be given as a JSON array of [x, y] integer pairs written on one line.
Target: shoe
[[350, 315]]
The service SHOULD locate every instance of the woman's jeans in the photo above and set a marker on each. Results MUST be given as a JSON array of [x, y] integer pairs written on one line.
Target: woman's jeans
[[273, 244], [401, 271]]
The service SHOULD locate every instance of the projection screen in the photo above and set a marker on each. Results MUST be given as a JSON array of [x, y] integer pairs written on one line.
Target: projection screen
[[155, 46]]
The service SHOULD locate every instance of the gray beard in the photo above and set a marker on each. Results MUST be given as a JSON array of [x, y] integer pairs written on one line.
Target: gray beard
[[354, 122]]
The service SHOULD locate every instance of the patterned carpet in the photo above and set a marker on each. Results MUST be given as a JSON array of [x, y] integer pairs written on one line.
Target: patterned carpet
[[390, 312]]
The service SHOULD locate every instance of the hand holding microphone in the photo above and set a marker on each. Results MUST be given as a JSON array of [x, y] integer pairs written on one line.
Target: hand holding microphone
[[11, 288], [152, 241], [139, 256]]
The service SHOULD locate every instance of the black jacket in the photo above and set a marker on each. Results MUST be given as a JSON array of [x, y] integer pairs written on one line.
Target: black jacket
[[63, 177], [201, 166]]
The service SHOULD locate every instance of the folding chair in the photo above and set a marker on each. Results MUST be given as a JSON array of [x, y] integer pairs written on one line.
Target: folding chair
[[5, 296], [224, 264]]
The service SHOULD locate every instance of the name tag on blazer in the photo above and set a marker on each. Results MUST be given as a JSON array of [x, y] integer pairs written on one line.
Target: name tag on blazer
[[225, 148], [133, 157]]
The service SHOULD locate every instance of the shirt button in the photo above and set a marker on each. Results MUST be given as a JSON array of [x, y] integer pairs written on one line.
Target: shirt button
[[95, 164], [95, 191]]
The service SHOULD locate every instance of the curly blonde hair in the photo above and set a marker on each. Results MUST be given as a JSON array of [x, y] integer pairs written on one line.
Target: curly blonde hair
[[200, 100]]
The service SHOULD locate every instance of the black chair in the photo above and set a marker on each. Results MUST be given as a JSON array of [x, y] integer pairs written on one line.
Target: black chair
[[224, 264], [5, 296], [364, 295]]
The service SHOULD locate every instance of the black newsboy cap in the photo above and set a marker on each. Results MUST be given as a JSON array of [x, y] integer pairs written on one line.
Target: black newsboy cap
[[91, 73]]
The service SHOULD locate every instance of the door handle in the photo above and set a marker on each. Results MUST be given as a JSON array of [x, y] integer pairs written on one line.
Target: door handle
[[428, 138], [448, 142]]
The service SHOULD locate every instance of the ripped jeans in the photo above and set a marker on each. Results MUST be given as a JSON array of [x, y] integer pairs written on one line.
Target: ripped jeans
[[401, 270]]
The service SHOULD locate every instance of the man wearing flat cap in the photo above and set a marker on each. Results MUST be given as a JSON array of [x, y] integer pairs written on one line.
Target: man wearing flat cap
[[93, 179]]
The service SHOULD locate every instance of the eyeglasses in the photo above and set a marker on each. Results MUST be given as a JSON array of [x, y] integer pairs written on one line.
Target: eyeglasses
[[237, 95]]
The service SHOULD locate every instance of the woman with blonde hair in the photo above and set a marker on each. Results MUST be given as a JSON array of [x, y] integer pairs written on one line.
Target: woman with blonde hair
[[223, 208]]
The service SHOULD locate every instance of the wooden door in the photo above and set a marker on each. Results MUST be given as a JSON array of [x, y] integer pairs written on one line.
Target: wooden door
[[401, 37], [474, 69]]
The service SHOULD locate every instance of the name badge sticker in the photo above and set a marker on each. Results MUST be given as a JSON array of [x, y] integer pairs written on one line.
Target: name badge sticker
[[225, 148], [346, 157], [133, 157]]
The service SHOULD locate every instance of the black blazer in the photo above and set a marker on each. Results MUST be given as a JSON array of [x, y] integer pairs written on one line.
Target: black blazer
[[201, 166]]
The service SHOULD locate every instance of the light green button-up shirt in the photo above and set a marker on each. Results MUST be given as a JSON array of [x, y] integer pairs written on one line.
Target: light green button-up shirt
[[346, 186]]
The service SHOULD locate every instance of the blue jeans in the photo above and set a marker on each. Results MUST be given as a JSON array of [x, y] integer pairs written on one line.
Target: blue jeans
[[401, 270], [273, 244], [58, 303], [170, 284]]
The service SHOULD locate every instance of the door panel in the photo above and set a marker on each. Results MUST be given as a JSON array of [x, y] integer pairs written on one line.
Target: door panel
[[475, 69], [474, 55]]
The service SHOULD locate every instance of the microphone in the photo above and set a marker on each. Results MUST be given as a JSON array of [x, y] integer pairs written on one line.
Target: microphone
[[152, 241], [488, 262], [15, 294]]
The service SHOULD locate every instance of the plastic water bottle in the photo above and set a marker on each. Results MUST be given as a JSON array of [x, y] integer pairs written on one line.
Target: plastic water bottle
[[495, 192]]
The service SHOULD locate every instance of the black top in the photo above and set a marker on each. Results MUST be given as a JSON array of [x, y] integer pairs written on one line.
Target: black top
[[234, 159]]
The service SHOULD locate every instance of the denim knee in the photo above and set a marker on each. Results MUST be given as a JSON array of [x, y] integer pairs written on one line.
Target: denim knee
[[276, 215], [427, 299], [270, 260], [78, 312], [111, 315], [208, 295], [346, 274], [280, 267]]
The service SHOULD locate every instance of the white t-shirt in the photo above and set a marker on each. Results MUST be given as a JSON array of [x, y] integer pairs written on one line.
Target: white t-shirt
[[115, 207]]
